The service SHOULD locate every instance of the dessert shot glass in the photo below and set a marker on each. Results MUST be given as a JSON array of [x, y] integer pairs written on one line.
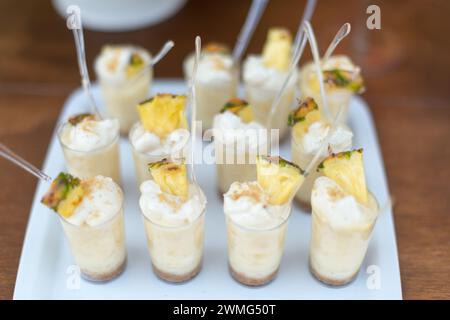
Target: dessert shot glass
[[254, 255], [212, 95], [176, 252], [262, 99], [122, 97], [99, 251], [100, 161], [336, 254], [302, 158], [142, 159]]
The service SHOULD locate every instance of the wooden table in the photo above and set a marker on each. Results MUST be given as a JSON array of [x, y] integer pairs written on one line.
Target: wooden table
[[410, 103]]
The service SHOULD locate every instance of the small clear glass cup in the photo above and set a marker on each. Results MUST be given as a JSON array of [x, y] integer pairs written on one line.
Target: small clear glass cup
[[336, 97], [301, 158], [99, 251], [236, 161], [261, 99], [254, 255], [122, 97], [336, 254], [176, 252], [100, 161], [142, 159], [212, 95]]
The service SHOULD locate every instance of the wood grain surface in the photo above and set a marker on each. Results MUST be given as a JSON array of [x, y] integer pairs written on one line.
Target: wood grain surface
[[410, 101]]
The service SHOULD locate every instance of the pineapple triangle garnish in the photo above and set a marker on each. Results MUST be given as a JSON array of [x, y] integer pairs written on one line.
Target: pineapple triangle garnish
[[239, 107], [344, 79], [171, 177], [306, 113], [163, 114], [347, 170], [279, 178], [135, 64], [277, 49], [64, 195]]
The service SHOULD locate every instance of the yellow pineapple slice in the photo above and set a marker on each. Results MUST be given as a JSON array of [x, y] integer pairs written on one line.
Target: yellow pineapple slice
[[344, 79], [64, 195], [135, 64], [171, 177], [277, 49], [163, 114], [239, 107], [306, 113], [347, 170], [279, 178], [67, 206]]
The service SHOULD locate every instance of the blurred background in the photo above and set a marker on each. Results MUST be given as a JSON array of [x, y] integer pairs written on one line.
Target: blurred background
[[406, 66]]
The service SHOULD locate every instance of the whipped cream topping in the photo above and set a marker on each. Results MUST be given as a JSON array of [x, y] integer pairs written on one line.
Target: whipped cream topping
[[112, 63], [89, 134], [149, 143], [168, 210], [340, 140], [228, 128], [247, 205], [213, 68], [258, 74], [338, 208], [102, 200]]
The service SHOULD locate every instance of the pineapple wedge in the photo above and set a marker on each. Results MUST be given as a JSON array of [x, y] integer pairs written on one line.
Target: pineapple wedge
[[344, 79], [171, 177], [277, 49], [135, 64], [64, 195], [306, 113], [279, 178], [163, 114], [239, 107], [347, 170]]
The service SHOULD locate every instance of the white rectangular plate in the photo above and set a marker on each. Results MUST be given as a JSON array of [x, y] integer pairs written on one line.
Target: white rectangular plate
[[44, 270]]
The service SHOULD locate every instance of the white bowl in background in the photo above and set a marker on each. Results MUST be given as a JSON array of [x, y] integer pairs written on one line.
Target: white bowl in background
[[121, 15]]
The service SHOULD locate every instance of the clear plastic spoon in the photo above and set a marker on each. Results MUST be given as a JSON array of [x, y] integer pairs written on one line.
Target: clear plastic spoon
[[161, 54], [253, 17], [6, 153], [316, 57], [74, 24], [193, 104], [340, 35]]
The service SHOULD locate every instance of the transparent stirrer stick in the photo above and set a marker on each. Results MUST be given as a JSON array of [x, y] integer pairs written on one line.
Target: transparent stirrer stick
[[340, 35], [307, 15], [315, 53], [74, 23], [253, 17], [162, 53], [19, 161], [193, 104]]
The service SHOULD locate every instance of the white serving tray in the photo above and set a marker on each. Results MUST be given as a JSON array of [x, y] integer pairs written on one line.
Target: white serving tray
[[44, 270]]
